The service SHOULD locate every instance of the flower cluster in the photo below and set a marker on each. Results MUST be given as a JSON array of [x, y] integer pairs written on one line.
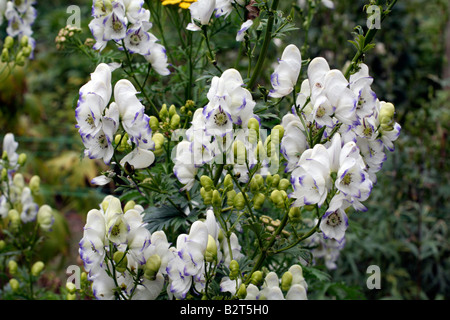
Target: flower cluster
[[20, 16], [98, 120], [127, 23], [123, 259], [355, 129], [17, 199]]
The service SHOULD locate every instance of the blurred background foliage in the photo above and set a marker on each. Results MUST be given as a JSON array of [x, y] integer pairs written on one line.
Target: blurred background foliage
[[406, 229]]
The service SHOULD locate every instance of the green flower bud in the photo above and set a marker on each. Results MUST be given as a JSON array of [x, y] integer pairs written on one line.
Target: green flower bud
[[129, 205], [230, 197], [172, 111], [71, 296], [256, 278], [2, 245], [260, 151], [152, 266], [175, 121], [9, 42], [234, 270], [19, 181], [22, 159], [239, 152], [14, 284], [253, 123], [154, 123], [242, 292], [37, 268], [20, 59], [275, 180], [163, 113], [239, 201], [228, 182], [45, 217], [284, 184], [269, 179], [5, 55], [117, 139], [4, 174], [71, 288], [12, 267], [24, 41], [206, 195], [121, 261], [216, 199], [211, 250], [258, 200], [206, 183], [158, 139], [278, 131], [14, 219], [27, 51], [286, 281], [277, 197], [35, 183], [295, 214]]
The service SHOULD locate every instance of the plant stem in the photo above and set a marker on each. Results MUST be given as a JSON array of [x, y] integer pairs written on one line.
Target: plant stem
[[265, 45]]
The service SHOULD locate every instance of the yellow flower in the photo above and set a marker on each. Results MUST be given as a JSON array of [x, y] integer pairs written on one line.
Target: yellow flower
[[184, 4]]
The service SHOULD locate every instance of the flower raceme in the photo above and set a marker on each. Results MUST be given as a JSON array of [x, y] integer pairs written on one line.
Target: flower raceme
[[127, 23], [98, 120]]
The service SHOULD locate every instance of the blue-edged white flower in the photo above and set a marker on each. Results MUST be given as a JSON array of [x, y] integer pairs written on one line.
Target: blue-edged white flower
[[285, 76], [201, 12], [244, 27]]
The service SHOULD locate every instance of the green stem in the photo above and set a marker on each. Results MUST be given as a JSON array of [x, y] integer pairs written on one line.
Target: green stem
[[265, 45], [370, 34]]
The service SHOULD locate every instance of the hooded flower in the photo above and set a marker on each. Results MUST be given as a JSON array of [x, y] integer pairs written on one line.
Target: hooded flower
[[285, 76]]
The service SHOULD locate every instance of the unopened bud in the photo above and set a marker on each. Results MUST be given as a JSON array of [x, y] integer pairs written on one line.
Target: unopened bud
[[172, 111], [206, 183], [242, 292], [37, 268], [154, 123], [258, 200], [239, 152], [257, 278], [4, 174], [206, 195], [14, 284], [228, 182], [2, 245], [5, 55], [277, 197], [239, 201], [22, 159], [278, 131], [24, 41], [284, 184], [12, 267], [71, 287], [211, 250], [9, 42], [152, 266], [121, 261], [275, 180], [45, 217], [230, 197], [129, 205], [216, 199], [163, 113], [35, 183], [295, 214], [234, 270], [175, 121], [286, 281]]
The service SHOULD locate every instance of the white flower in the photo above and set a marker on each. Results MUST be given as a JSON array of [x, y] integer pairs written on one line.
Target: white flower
[[286, 73], [29, 207], [360, 84], [334, 222], [294, 142], [92, 245], [184, 169], [158, 58], [115, 23], [201, 12], [317, 69], [244, 27], [271, 288], [10, 148]]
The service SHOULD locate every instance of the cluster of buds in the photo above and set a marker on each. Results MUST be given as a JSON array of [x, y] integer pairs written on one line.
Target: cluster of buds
[[65, 36], [272, 224], [13, 268], [16, 53]]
